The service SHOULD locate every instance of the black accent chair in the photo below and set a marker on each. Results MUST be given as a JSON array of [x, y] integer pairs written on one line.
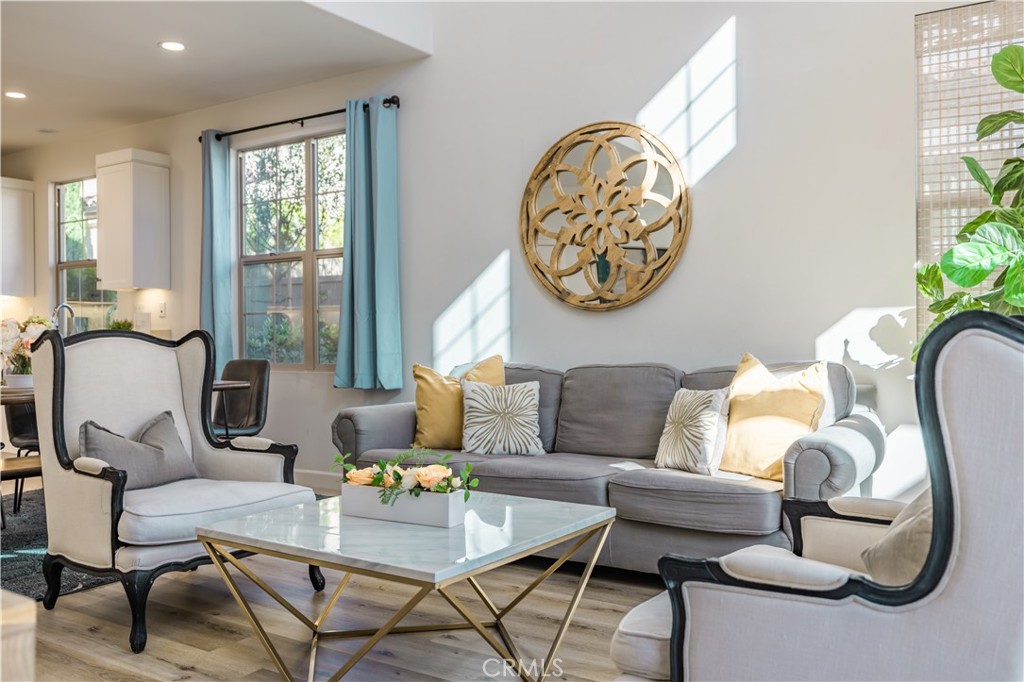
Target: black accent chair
[[243, 412], [23, 434]]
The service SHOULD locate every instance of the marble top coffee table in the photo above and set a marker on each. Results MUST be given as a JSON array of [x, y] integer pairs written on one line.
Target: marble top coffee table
[[499, 529]]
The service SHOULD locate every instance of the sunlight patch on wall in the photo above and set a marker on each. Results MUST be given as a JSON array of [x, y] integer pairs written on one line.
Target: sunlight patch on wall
[[695, 111], [478, 323]]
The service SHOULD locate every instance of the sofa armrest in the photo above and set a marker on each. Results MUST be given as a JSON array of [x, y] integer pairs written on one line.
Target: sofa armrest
[[89, 496], [838, 530], [372, 427], [832, 460], [248, 459]]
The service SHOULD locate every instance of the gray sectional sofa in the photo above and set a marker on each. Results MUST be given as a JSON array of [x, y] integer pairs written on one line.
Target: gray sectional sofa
[[596, 419]]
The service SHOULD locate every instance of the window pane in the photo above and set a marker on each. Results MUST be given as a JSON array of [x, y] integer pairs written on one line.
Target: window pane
[[273, 198], [94, 308], [272, 312], [328, 307], [330, 187], [77, 220]]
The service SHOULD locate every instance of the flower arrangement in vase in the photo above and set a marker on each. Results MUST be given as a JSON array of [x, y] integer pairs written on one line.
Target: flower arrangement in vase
[[426, 494], [16, 339]]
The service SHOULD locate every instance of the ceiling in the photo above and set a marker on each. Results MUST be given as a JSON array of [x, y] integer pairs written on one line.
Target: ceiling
[[91, 66]]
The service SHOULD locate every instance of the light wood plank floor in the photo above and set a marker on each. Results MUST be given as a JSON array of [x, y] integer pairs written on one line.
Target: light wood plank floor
[[198, 632]]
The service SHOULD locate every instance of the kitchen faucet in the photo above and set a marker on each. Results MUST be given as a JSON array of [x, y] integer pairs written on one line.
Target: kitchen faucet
[[56, 318]]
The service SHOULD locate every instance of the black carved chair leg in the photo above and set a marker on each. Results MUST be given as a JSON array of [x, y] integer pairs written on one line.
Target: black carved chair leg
[[52, 569], [317, 578], [136, 586]]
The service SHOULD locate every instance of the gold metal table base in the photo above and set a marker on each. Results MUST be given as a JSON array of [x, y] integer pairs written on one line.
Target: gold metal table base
[[502, 644]]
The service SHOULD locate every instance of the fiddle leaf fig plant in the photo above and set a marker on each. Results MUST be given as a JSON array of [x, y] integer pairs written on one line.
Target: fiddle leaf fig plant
[[993, 241]]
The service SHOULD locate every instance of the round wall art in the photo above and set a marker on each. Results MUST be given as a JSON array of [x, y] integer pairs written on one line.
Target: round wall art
[[605, 216]]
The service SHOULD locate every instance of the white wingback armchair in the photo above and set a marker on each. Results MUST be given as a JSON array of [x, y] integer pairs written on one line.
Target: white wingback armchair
[[816, 613], [121, 380]]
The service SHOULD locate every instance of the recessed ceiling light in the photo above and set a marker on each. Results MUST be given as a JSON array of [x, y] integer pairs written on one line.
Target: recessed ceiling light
[[172, 46], [14, 94], [46, 131]]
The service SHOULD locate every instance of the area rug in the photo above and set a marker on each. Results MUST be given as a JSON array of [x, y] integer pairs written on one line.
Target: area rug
[[22, 547]]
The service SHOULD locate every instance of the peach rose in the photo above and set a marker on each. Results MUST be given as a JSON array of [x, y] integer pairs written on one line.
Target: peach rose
[[430, 476], [360, 476]]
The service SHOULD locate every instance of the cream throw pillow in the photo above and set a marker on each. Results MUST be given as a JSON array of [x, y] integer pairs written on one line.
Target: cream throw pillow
[[766, 415], [439, 402], [501, 420], [694, 436], [899, 555]]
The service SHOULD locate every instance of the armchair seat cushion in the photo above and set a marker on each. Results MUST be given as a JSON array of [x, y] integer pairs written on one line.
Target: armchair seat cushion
[[641, 643], [171, 512], [720, 503]]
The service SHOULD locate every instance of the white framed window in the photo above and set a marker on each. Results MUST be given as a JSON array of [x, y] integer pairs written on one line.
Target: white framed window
[[77, 284], [291, 211]]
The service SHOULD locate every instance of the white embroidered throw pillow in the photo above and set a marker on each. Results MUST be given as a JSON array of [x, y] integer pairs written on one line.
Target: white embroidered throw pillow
[[694, 435], [501, 420]]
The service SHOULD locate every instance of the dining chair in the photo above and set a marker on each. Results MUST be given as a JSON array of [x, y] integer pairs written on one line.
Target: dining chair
[[243, 412], [22, 434]]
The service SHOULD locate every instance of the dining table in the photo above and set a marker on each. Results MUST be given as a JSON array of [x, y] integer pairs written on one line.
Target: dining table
[[27, 396]]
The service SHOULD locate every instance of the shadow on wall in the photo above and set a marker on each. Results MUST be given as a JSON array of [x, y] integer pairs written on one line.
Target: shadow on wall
[[876, 343], [695, 111], [478, 322]]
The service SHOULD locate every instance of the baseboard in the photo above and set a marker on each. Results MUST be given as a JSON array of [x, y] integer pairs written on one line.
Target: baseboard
[[323, 482]]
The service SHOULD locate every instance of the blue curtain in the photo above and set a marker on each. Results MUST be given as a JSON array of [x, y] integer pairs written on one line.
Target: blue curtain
[[370, 336], [215, 286]]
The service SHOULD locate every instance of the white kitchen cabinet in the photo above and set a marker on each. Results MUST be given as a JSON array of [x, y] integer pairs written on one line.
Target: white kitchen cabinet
[[18, 238], [133, 212]]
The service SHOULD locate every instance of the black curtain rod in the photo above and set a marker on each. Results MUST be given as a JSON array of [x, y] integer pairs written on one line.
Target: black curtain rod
[[390, 101]]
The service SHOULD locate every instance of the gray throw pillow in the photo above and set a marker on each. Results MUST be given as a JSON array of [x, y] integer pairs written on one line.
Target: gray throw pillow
[[898, 557], [155, 457], [501, 420]]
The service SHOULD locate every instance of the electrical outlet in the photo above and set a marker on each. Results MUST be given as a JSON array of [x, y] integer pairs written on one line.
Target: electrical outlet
[[163, 309]]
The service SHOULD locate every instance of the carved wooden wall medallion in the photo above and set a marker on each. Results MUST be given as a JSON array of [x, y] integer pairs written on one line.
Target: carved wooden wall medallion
[[605, 216]]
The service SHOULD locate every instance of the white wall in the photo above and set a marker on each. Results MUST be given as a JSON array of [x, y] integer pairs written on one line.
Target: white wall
[[809, 218]]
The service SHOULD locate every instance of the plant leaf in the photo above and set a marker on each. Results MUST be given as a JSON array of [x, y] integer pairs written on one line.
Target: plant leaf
[[1008, 67], [968, 265], [993, 123], [942, 305], [939, 319], [970, 228], [978, 173], [1013, 289], [999, 234], [929, 282], [1011, 176], [1011, 216]]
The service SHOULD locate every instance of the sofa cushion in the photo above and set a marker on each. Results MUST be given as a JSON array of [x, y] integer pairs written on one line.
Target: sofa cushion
[[839, 398], [501, 420], [170, 513], [641, 643], [439, 401], [550, 381], [562, 476], [723, 503], [615, 410]]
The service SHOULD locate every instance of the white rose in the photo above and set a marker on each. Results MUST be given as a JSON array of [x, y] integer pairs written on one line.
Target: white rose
[[34, 330], [456, 483], [409, 479]]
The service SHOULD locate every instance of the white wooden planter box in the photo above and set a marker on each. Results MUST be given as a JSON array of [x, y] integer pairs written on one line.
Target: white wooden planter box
[[444, 510]]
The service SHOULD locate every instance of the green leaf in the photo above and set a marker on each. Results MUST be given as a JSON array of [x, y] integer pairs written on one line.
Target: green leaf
[[350, 467], [1013, 290], [474, 483], [942, 306], [968, 265], [465, 496], [991, 297], [1000, 235], [929, 282], [972, 227], [978, 173], [1012, 217], [1010, 178], [1008, 67], [993, 123]]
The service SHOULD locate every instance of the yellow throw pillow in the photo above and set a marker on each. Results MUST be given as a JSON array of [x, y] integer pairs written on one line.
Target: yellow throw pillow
[[439, 402], [766, 415]]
